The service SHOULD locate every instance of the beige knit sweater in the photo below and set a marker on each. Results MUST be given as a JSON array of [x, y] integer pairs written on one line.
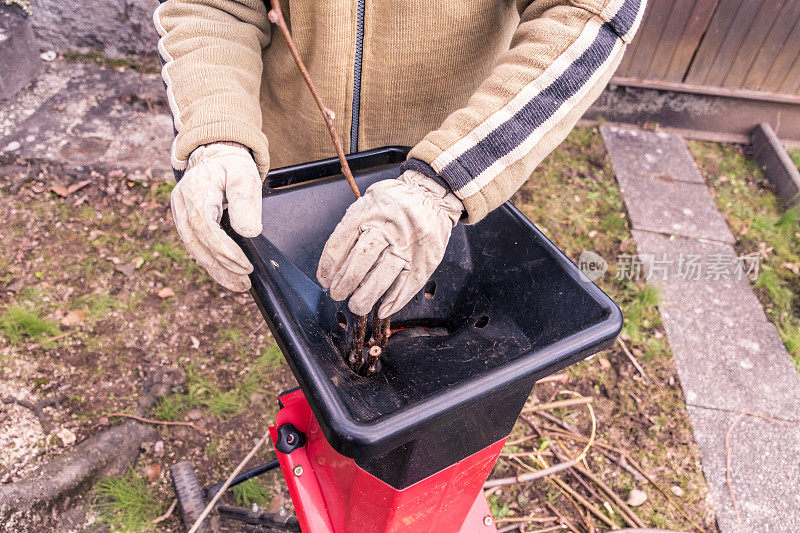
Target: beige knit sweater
[[482, 89]]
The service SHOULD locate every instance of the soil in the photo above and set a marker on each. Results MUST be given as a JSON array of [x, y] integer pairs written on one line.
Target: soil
[[110, 247]]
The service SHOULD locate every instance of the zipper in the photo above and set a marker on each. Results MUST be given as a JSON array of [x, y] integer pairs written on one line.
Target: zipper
[[359, 56]]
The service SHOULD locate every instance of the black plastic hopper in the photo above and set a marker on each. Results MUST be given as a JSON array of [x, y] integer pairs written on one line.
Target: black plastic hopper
[[504, 309]]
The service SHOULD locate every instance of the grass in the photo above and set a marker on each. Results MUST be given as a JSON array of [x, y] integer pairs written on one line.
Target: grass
[[163, 191], [250, 492], [574, 199], [271, 358], [172, 250], [500, 508], [795, 155], [202, 393], [19, 323], [97, 305], [760, 223], [175, 256], [127, 503], [591, 216]]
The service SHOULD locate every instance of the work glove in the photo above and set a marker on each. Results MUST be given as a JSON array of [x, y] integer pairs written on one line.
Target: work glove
[[218, 173], [388, 243]]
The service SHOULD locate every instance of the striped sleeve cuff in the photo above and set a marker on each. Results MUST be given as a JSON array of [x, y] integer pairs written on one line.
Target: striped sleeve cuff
[[422, 167], [512, 132]]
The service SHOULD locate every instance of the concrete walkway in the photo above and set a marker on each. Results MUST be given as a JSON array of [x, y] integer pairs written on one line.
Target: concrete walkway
[[729, 356]]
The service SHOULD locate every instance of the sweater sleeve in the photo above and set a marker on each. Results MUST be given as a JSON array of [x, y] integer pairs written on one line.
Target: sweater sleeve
[[211, 50], [561, 57]]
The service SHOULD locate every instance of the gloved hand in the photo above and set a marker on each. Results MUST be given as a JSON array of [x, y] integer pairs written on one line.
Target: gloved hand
[[388, 243], [219, 173]]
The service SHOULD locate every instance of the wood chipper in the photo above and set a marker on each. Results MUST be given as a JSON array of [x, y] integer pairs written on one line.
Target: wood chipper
[[409, 448]]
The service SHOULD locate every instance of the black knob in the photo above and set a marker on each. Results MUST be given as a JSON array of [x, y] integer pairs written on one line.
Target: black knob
[[289, 439]]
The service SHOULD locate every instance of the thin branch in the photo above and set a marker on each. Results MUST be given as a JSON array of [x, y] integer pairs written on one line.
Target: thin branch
[[560, 486], [257, 329], [37, 408], [51, 339], [628, 514], [550, 470], [528, 519], [530, 476], [161, 422], [583, 501], [228, 482], [276, 17], [603, 446], [554, 378], [557, 422], [563, 520], [547, 529], [521, 440], [167, 514], [728, 458], [634, 361], [557, 405]]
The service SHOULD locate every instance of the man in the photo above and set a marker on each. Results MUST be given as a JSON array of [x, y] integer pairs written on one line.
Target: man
[[482, 89]]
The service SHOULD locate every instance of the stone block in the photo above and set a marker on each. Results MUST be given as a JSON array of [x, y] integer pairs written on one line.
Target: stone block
[[765, 471], [727, 352]]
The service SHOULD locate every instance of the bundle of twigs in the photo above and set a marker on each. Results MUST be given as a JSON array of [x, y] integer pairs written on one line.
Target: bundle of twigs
[[594, 502]]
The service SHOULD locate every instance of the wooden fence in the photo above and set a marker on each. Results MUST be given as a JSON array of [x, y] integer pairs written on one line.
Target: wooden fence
[[745, 48]]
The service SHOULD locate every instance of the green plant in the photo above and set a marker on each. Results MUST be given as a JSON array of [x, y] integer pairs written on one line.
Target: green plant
[[175, 256], [271, 358], [250, 492], [163, 191], [795, 155], [202, 393], [171, 407], [171, 251], [127, 503], [226, 403], [18, 322], [499, 508], [230, 336]]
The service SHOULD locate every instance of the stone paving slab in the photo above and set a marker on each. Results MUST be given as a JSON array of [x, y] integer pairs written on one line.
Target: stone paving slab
[[674, 207], [727, 352], [663, 186], [765, 470], [101, 118], [648, 154]]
